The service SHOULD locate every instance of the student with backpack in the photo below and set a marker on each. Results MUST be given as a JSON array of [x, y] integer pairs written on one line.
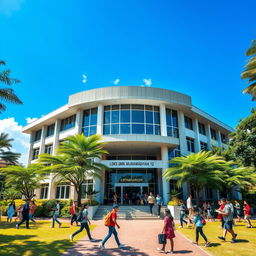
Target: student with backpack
[[110, 222], [183, 210], [199, 222], [85, 222]]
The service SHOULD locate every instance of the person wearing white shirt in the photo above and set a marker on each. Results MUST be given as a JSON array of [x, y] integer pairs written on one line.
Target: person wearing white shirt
[[190, 206], [56, 212]]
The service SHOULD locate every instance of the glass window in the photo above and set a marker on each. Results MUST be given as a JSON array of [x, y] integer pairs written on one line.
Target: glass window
[[86, 186], [115, 129], [224, 138], [107, 117], [44, 191], [68, 123], [38, 135], [137, 116], [50, 130], [138, 129], [201, 128], [172, 123], [90, 121], [203, 146], [48, 149], [106, 129], [190, 144], [149, 117], [115, 116], [125, 129], [188, 123], [35, 153], [131, 119], [125, 116], [62, 191], [213, 134], [149, 129]]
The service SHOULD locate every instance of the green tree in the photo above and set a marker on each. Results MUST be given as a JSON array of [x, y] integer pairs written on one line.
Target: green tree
[[23, 179], [250, 71], [200, 170], [242, 146], [74, 161], [7, 94], [7, 156]]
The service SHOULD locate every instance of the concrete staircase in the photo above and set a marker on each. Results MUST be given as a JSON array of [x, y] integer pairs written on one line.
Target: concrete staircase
[[129, 212]]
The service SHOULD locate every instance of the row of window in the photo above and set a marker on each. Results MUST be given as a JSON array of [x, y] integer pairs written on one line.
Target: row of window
[[48, 149], [129, 119], [191, 145], [62, 191], [202, 130]]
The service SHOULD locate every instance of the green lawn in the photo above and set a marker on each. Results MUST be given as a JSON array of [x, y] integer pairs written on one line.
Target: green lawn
[[41, 239], [246, 239]]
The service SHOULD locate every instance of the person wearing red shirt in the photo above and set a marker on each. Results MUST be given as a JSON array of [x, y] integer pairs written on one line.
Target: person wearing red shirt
[[112, 229], [73, 213], [220, 217], [247, 214]]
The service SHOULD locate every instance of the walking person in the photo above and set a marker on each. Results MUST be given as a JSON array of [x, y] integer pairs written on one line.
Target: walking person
[[182, 214], [19, 213], [25, 215], [112, 216], [32, 208], [151, 202], [11, 211], [210, 215], [168, 230], [145, 199], [85, 222], [159, 202], [247, 214], [56, 213], [220, 217], [73, 211], [228, 221], [190, 208], [115, 198], [199, 228], [238, 211]]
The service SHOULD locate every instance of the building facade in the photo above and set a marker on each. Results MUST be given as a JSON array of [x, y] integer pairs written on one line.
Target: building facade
[[144, 127]]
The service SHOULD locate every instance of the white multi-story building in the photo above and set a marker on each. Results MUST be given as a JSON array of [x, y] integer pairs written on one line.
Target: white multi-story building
[[144, 127]]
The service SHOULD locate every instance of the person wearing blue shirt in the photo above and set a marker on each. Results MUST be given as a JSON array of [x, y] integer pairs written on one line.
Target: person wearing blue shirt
[[25, 215], [159, 202], [199, 228]]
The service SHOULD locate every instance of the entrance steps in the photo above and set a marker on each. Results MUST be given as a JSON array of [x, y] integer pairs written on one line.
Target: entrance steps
[[129, 212]]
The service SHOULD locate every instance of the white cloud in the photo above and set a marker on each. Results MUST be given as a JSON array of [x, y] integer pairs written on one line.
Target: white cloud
[[7, 7], [116, 82], [21, 140], [30, 120], [147, 82], [84, 78]]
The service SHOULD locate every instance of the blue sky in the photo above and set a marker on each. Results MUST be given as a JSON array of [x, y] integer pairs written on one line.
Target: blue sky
[[194, 47]]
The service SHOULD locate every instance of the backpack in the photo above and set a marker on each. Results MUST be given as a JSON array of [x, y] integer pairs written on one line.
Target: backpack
[[80, 217], [108, 219], [203, 220]]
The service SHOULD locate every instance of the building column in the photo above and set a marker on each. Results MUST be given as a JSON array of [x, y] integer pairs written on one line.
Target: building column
[[219, 139], [100, 114], [163, 126], [98, 188], [197, 136], [209, 138], [182, 133], [30, 150], [42, 140], [56, 136], [79, 122], [165, 183]]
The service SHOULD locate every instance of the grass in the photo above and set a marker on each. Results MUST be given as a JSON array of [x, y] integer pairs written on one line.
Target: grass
[[41, 239], [246, 239]]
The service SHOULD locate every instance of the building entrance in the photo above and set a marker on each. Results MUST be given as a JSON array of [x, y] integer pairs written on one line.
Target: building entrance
[[131, 194]]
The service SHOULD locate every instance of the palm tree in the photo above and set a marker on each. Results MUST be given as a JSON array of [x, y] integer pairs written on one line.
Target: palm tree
[[7, 94], [250, 71], [7, 156], [241, 177], [74, 161], [200, 170], [23, 179]]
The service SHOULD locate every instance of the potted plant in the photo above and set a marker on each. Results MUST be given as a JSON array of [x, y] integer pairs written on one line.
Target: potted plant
[[173, 205], [93, 203]]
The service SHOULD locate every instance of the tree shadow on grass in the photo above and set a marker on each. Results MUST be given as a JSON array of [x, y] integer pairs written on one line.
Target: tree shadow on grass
[[35, 248], [9, 238]]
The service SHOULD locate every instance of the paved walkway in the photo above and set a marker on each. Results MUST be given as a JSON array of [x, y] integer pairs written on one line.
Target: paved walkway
[[140, 236]]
